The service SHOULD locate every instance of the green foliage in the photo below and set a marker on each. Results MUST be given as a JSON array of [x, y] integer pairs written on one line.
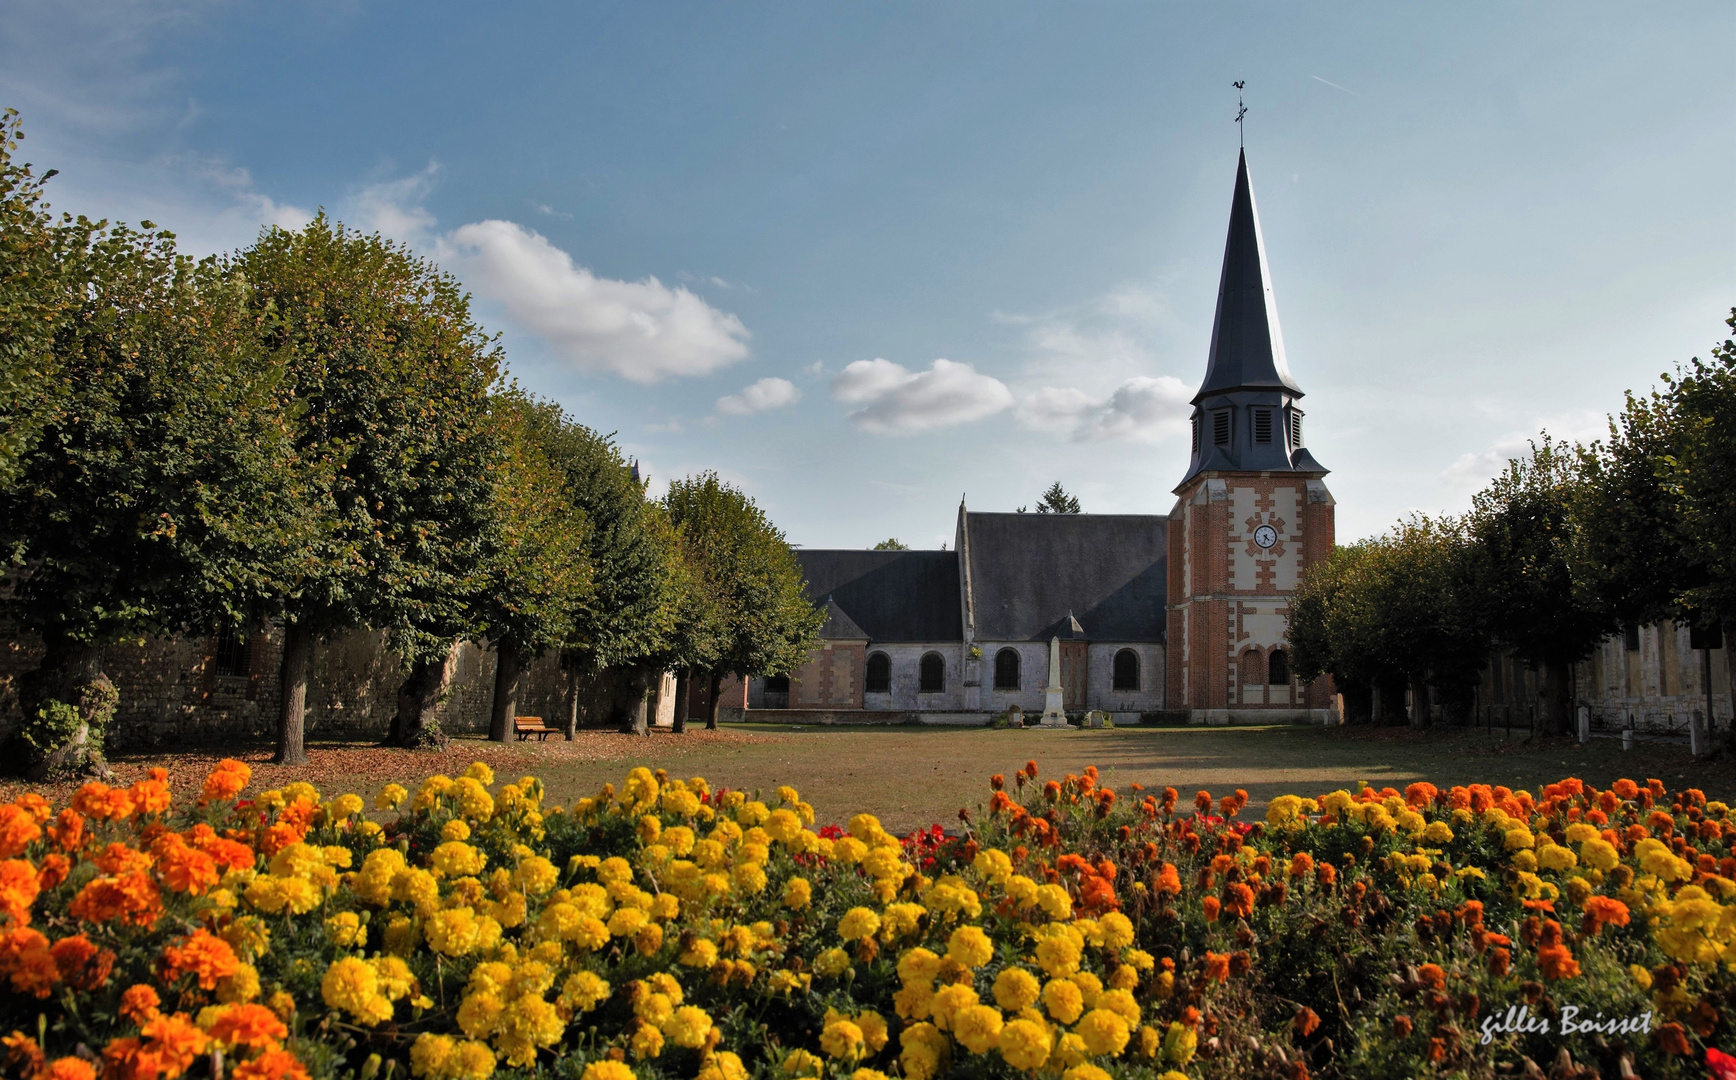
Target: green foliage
[[1699, 474], [160, 494], [747, 582], [1056, 501], [891, 544], [537, 580], [390, 378]]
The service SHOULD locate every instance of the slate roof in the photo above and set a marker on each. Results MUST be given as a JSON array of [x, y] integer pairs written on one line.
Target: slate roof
[[1029, 572], [839, 626], [1247, 346], [889, 595]]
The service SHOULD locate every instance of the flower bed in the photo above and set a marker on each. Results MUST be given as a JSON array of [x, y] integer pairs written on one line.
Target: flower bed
[[670, 930]]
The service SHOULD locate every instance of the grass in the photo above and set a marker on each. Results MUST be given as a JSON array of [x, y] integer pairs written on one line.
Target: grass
[[915, 776]]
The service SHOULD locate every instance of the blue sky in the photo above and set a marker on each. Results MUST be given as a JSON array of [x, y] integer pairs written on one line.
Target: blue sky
[[690, 221]]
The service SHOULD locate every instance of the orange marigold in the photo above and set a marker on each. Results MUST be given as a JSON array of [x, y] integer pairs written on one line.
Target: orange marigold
[[1432, 976], [127, 1059], [1168, 880], [174, 1041], [1602, 911], [68, 830], [150, 796], [182, 868], [249, 1025], [68, 1068], [202, 955], [98, 800], [1557, 962], [18, 890], [139, 1003], [26, 961], [53, 870], [118, 858], [132, 897], [1217, 966], [81, 964], [271, 1065], [226, 781], [18, 830], [20, 1051], [1212, 906], [1238, 899]]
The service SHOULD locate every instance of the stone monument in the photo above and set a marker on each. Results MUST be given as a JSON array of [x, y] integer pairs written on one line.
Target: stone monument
[[1054, 701]]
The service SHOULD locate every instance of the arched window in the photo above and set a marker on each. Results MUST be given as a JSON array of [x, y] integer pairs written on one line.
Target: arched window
[[777, 684], [1278, 668], [1252, 668], [932, 674], [1007, 669], [878, 678], [1126, 670]]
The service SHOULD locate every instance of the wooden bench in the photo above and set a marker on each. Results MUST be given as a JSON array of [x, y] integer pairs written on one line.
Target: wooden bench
[[526, 726]]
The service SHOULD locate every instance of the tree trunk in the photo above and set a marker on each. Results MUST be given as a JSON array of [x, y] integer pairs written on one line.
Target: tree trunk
[[416, 725], [572, 702], [71, 675], [637, 721], [681, 691], [506, 667], [1556, 718], [715, 686], [292, 708], [1419, 689]]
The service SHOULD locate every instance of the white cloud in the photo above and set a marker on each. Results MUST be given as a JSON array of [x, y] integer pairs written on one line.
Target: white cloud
[[393, 208], [643, 331], [762, 396], [1141, 409], [898, 401], [1471, 471]]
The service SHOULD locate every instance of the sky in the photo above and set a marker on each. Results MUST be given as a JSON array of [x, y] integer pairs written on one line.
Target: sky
[[865, 259]]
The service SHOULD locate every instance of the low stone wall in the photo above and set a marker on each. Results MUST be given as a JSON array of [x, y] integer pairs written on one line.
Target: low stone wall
[[173, 694], [853, 717]]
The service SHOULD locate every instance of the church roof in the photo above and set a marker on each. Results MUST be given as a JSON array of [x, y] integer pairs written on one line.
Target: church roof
[[1247, 347], [1037, 576], [839, 626], [889, 595]]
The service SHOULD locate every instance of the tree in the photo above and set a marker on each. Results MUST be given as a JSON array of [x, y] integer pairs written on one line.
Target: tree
[[635, 588], [749, 578], [1524, 582], [536, 579], [1700, 472], [162, 491], [1056, 501], [891, 544], [38, 291], [391, 380]]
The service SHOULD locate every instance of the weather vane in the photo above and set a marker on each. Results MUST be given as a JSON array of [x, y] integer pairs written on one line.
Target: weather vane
[[1241, 111]]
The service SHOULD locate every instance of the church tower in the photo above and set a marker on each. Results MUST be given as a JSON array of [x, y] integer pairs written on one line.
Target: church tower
[[1252, 514]]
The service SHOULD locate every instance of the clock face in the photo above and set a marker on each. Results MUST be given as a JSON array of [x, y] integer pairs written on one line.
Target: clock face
[[1265, 536]]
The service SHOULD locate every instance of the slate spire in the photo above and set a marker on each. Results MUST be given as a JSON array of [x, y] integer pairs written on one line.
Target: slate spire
[[1247, 346], [1247, 415]]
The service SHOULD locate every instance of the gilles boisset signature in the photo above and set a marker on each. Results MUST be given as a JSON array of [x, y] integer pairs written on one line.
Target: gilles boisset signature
[[1519, 1020]]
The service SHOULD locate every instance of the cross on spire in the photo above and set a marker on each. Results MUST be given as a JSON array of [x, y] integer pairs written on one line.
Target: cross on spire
[[1241, 111]]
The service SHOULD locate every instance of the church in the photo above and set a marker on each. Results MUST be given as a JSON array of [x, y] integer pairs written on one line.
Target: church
[[1133, 615]]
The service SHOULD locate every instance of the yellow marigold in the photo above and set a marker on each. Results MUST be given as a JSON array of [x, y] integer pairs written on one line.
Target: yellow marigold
[[1015, 989], [1438, 832], [858, 923], [535, 875], [607, 1070], [841, 1039], [1024, 1044], [1517, 836], [831, 963], [868, 1074], [918, 965], [1117, 930], [977, 1027], [1021, 890], [721, 1065], [1555, 857], [970, 946], [1104, 1032], [1179, 1043], [1120, 1002], [1085, 1071], [346, 931], [688, 1027], [700, 954], [390, 797], [1062, 1000], [350, 984], [798, 893], [1054, 901], [1058, 954], [455, 858], [949, 1001], [585, 991]]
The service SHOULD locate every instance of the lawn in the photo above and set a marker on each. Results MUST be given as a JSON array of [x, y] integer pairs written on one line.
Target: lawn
[[914, 776]]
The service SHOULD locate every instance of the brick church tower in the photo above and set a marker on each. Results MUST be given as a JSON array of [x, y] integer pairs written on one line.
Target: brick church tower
[[1253, 512]]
